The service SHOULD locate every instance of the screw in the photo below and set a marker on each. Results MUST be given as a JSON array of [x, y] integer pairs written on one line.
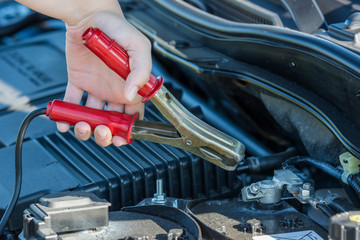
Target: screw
[[188, 142]]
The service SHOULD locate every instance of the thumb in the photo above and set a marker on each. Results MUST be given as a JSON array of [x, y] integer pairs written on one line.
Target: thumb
[[140, 70]]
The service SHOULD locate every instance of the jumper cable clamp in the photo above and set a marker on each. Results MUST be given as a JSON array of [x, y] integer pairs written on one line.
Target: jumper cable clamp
[[185, 131]]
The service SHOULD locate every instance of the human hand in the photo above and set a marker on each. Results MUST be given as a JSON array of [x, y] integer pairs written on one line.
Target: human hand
[[88, 73]]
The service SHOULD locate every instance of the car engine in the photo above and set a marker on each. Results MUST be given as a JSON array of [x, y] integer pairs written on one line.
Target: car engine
[[280, 76]]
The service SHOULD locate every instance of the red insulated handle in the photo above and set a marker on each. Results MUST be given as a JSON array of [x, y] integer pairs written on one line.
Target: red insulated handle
[[116, 58], [120, 124]]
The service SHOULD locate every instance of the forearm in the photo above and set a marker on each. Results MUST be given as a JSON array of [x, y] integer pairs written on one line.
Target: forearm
[[72, 11]]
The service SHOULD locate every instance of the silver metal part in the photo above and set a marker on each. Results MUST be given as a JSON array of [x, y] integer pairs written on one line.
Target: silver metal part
[[255, 226], [266, 191], [306, 191], [159, 196], [64, 212], [193, 135], [254, 188], [306, 194], [269, 191]]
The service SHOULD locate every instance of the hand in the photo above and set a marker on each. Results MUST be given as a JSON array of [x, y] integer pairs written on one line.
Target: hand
[[88, 73]]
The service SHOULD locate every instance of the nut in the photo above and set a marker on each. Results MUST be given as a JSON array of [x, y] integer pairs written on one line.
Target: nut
[[254, 188], [305, 193]]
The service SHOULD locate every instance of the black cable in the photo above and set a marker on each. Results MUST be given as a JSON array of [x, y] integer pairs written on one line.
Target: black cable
[[323, 166], [353, 180], [18, 166], [265, 163]]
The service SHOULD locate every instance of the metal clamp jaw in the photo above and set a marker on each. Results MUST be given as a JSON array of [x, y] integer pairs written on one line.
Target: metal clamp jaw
[[190, 133]]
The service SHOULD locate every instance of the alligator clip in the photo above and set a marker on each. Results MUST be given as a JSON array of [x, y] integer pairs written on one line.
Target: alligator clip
[[185, 131]]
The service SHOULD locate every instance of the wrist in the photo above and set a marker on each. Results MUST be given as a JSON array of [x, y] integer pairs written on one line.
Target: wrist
[[82, 11], [72, 12]]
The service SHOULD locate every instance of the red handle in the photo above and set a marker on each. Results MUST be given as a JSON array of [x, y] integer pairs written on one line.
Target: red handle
[[116, 58], [120, 124]]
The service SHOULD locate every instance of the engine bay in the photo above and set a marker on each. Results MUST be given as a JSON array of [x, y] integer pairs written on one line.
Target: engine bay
[[281, 77]]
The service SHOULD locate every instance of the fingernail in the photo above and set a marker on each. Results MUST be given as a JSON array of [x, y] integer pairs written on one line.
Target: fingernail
[[82, 133], [101, 135], [132, 93], [63, 127]]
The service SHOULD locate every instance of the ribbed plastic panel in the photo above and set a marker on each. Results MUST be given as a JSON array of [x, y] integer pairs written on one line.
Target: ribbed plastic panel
[[245, 12], [128, 174], [56, 162]]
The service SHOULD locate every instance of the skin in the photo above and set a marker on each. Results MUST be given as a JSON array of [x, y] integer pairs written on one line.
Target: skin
[[87, 73]]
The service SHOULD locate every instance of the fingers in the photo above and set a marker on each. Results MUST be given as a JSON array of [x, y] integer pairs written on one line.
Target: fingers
[[82, 131], [140, 66], [116, 140], [115, 107], [136, 108], [73, 95], [138, 48], [86, 72], [119, 141], [62, 127], [103, 136], [94, 102]]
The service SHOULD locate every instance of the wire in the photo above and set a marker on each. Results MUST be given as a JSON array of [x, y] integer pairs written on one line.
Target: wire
[[265, 163], [18, 166], [353, 180], [323, 166]]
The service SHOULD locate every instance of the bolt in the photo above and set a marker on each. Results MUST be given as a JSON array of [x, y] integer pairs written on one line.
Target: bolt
[[254, 188], [305, 190], [307, 186], [159, 186], [159, 196], [172, 235], [188, 142]]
